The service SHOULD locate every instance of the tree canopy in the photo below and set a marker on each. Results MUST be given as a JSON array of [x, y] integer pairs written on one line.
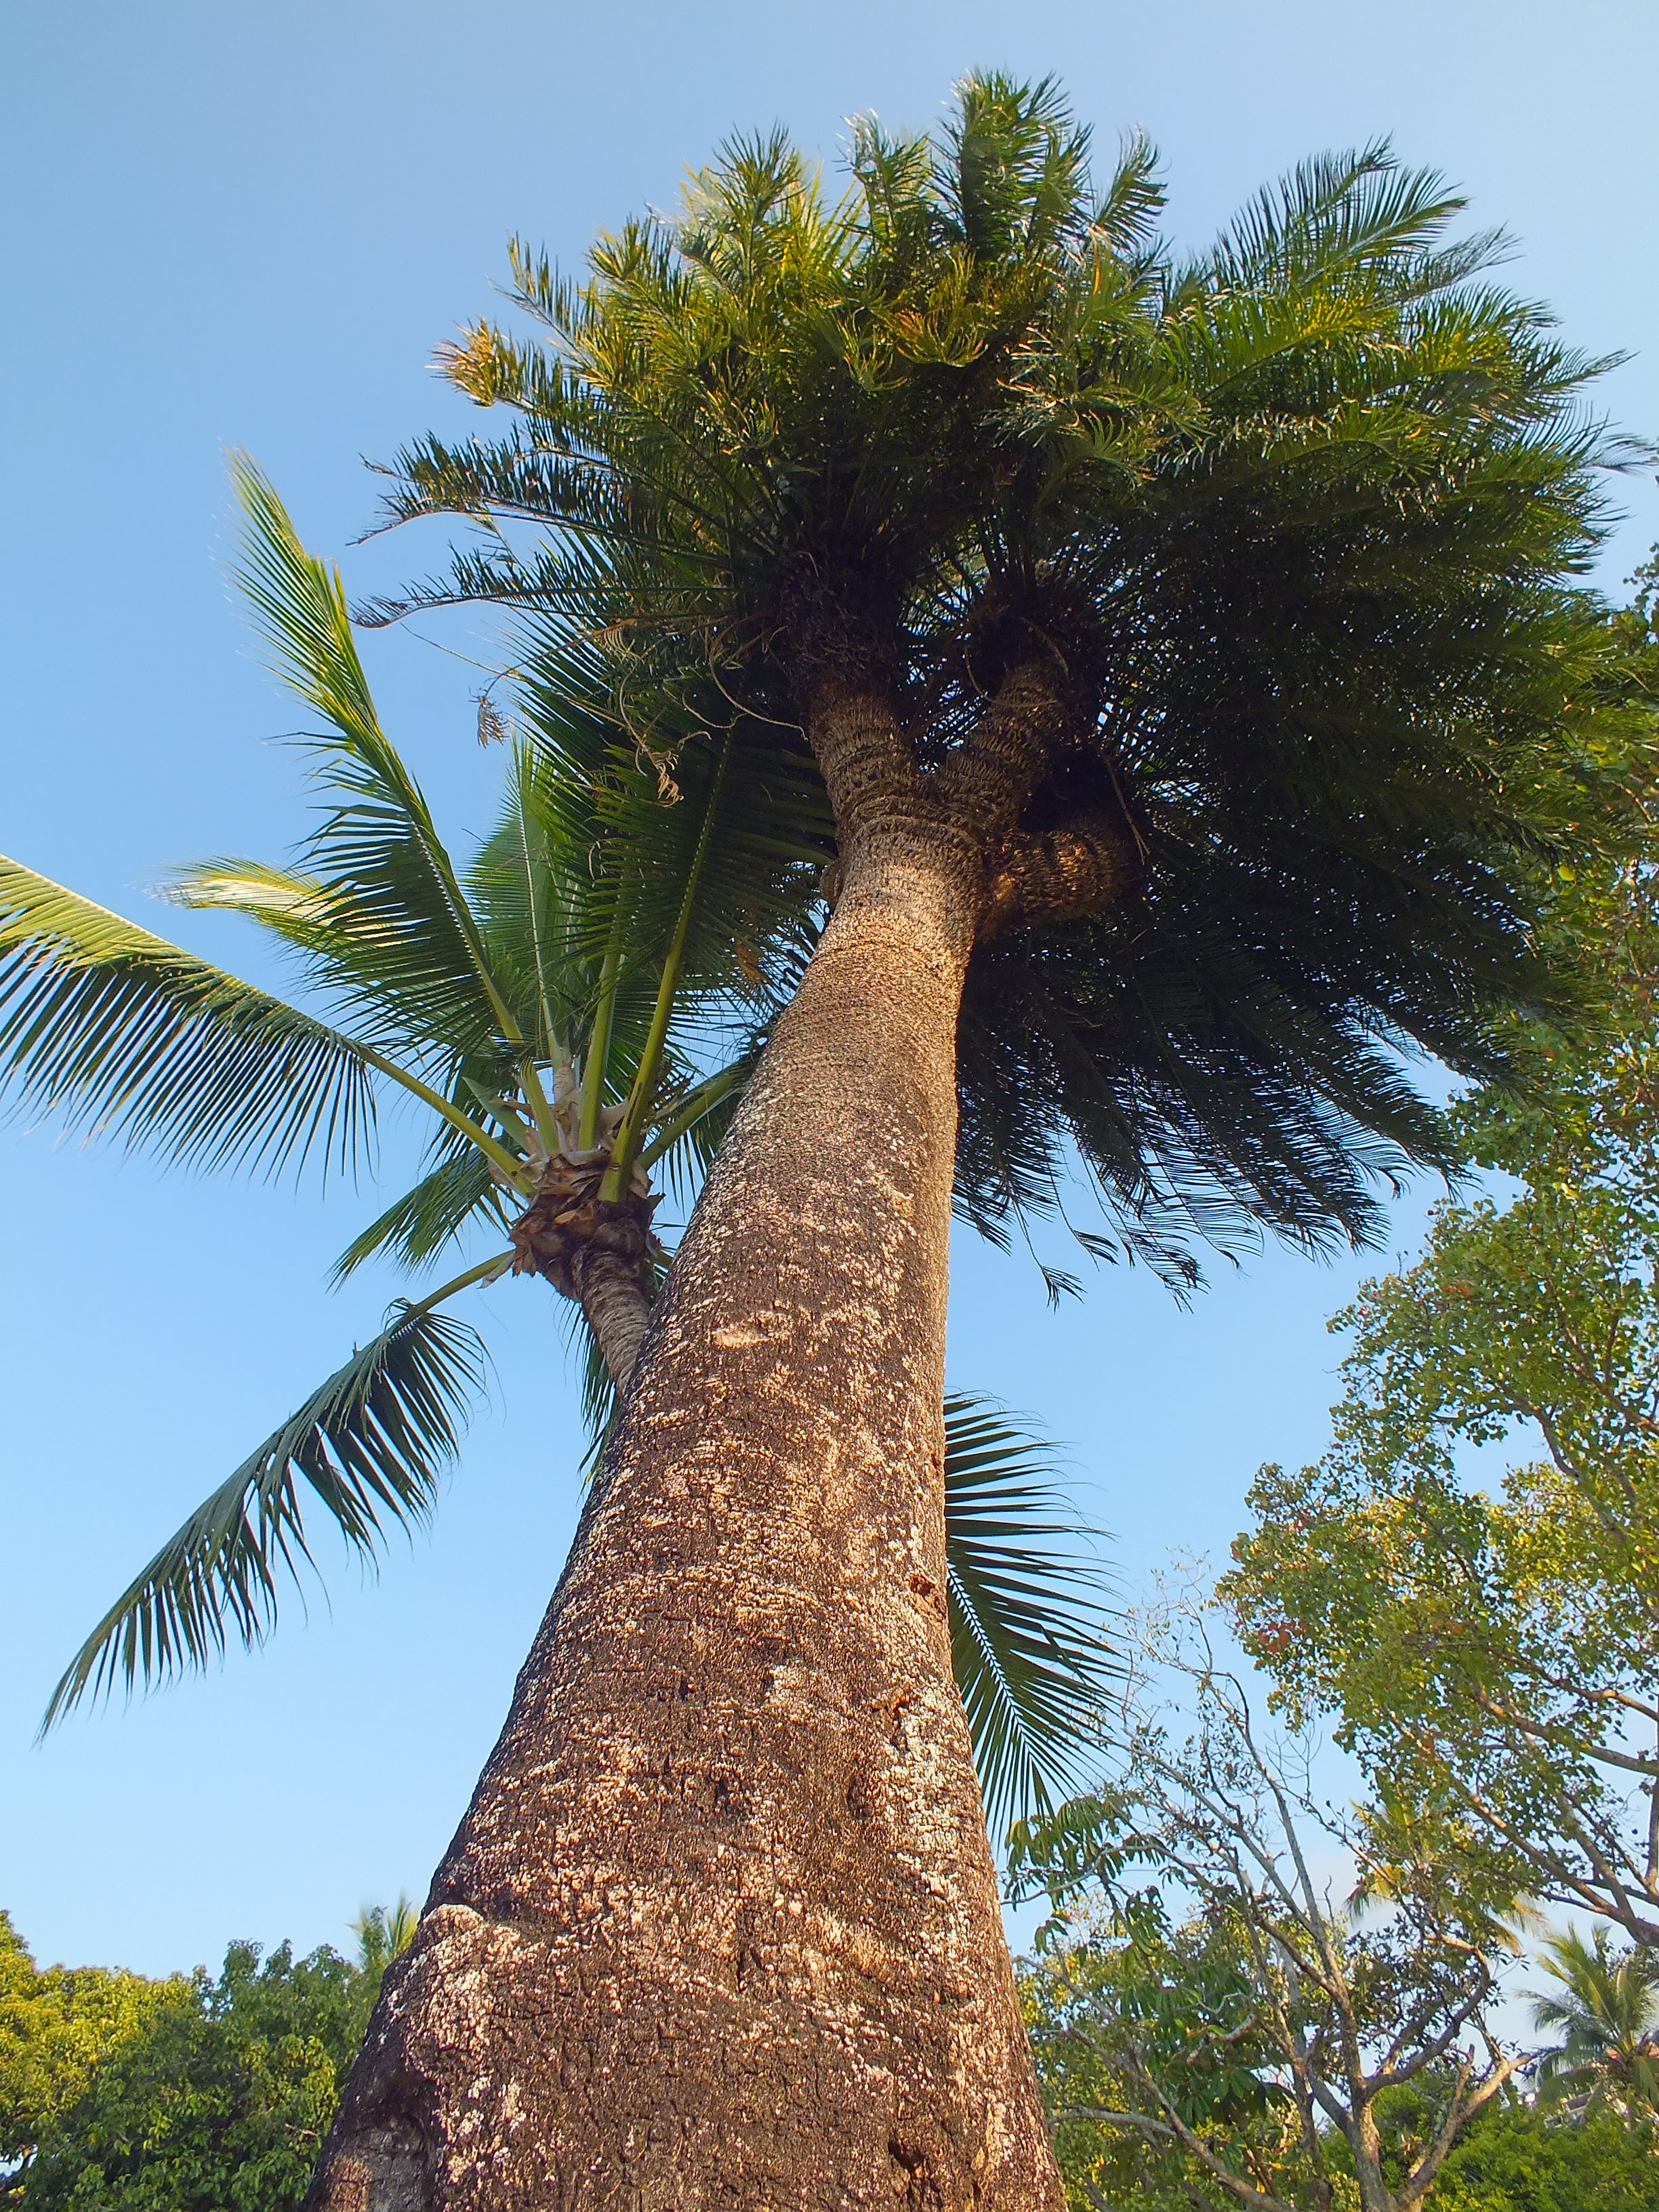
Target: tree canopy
[[1286, 525], [209, 2094]]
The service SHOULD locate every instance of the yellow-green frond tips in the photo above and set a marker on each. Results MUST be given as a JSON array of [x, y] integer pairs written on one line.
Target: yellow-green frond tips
[[371, 1444], [114, 1031]]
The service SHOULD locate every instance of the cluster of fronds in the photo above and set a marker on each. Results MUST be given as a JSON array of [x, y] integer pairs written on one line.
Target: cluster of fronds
[[1300, 513]]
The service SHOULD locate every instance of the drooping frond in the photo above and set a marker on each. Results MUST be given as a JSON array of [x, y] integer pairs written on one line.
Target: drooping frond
[[1027, 1604], [1026, 1614], [119, 1033], [370, 1445]]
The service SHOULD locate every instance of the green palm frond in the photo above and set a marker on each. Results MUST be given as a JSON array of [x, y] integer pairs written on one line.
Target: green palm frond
[[1026, 1611], [119, 1033], [530, 887], [1607, 2017], [375, 903], [370, 1443], [458, 1190]]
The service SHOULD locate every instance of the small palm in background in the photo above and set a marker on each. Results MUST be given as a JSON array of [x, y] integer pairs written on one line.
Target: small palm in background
[[383, 1931], [1607, 2015]]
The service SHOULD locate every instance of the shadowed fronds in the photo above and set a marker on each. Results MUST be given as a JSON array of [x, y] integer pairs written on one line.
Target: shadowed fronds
[[118, 1032], [371, 1443], [1025, 1614]]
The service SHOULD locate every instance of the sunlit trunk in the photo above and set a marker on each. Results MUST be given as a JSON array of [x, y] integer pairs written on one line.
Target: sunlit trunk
[[722, 1926]]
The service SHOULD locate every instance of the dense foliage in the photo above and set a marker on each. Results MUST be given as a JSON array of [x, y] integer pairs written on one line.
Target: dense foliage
[[1513, 2160], [197, 2094], [1288, 522], [58, 2024]]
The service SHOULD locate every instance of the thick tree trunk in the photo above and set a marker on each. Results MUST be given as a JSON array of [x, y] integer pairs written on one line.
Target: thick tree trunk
[[720, 1927]]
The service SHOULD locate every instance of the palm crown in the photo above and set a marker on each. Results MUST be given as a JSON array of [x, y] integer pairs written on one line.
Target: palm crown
[[583, 1005], [1285, 522], [1607, 2015]]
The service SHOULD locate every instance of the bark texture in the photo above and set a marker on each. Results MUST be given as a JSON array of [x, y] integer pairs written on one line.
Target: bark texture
[[593, 1249], [720, 1927]]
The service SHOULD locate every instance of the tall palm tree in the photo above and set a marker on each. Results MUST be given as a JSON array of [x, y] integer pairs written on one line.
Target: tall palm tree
[[553, 1012], [1189, 652], [1607, 2017], [1187, 655]]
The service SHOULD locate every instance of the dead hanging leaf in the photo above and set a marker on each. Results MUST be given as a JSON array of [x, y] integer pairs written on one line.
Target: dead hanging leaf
[[492, 723], [668, 792], [748, 961]]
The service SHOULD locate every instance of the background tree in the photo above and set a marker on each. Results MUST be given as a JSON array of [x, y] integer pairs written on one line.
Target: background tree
[[212, 2098], [57, 2024], [1512, 2159], [1130, 2014], [1491, 1646], [1227, 2031], [1606, 2012]]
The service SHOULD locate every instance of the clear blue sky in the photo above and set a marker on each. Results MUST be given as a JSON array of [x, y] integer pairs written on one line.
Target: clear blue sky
[[249, 224]]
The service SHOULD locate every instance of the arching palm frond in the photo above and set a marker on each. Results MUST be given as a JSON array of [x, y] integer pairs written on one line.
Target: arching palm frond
[[1027, 1610], [374, 904], [116, 1031], [370, 1444], [457, 1193]]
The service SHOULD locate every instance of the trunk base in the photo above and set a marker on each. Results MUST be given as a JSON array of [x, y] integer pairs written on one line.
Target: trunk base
[[744, 2100]]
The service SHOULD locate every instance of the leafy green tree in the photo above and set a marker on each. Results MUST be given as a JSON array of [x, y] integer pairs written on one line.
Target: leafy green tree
[[216, 2098], [1491, 1646], [1186, 653], [1607, 2013], [1513, 2160], [58, 2024], [1215, 2024]]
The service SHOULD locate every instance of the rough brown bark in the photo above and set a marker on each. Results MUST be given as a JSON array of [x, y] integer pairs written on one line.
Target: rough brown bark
[[720, 1927], [593, 1250]]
